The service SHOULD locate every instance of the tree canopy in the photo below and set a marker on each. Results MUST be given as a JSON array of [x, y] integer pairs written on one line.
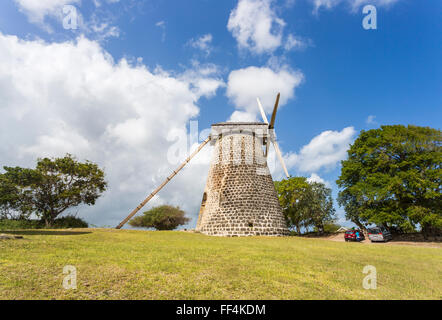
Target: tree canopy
[[304, 203], [52, 187], [163, 217], [392, 177]]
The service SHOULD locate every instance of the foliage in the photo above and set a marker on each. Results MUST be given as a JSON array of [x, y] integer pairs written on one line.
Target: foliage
[[305, 203], [69, 222], [59, 223], [48, 190], [331, 227], [163, 217], [14, 224], [392, 177]]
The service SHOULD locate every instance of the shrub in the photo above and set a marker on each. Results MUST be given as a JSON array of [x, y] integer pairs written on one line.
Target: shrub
[[70, 222], [10, 224], [60, 223], [161, 218]]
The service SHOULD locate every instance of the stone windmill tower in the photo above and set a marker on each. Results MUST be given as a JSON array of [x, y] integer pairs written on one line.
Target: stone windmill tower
[[239, 198]]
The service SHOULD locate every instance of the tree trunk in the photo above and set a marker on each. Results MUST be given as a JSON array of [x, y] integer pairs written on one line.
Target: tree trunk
[[360, 225], [49, 219]]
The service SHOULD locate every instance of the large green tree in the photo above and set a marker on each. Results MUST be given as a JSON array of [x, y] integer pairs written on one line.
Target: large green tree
[[163, 217], [304, 203], [52, 187], [392, 177]]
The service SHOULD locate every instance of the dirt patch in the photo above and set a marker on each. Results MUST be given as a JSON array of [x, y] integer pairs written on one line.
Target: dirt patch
[[339, 237], [9, 237]]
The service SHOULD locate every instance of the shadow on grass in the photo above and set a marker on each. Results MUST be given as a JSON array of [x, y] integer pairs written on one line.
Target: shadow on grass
[[44, 232]]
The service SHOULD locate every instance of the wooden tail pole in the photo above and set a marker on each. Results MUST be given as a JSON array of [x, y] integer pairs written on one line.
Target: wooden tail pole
[[122, 223]]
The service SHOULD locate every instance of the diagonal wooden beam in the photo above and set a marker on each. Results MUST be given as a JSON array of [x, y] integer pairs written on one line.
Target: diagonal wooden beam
[[173, 174]]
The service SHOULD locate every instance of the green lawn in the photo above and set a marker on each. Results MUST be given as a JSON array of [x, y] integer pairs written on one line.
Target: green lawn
[[122, 264]]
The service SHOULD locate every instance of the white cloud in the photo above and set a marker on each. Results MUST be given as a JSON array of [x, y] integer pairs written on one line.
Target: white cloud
[[204, 79], [324, 151], [203, 43], [316, 178], [353, 4], [37, 10], [245, 85], [241, 116], [162, 24], [99, 26], [296, 43], [370, 120], [72, 97], [255, 26]]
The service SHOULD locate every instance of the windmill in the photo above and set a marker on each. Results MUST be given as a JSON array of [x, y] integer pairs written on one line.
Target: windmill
[[239, 198]]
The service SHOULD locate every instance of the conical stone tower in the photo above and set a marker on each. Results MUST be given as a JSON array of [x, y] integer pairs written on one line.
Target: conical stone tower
[[240, 198]]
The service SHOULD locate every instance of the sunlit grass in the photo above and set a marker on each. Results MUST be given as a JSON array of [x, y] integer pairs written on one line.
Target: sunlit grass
[[127, 264]]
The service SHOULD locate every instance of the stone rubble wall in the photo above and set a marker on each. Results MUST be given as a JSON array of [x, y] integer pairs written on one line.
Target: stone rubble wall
[[240, 198]]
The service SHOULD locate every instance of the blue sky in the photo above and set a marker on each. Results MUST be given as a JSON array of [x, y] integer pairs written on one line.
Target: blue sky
[[336, 77]]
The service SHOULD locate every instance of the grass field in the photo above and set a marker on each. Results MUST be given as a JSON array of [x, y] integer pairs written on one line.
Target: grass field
[[123, 264]]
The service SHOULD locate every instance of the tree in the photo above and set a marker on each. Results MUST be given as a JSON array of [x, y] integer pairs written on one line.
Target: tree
[[292, 195], [331, 226], [163, 217], [305, 204], [392, 177], [52, 187], [320, 204], [9, 200]]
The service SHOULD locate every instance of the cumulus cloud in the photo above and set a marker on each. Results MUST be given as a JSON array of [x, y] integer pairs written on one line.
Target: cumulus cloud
[[37, 10], [245, 85], [296, 43], [371, 120], [99, 25], [324, 151], [352, 4], [255, 26], [73, 97], [203, 43], [316, 178]]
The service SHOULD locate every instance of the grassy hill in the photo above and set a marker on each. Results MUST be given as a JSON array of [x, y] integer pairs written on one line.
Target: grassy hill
[[126, 264]]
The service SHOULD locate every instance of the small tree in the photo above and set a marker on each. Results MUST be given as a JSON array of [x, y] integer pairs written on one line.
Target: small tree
[[320, 204], [305, 203], [331, 226], [292, 194], [163, 217], [52, 187]]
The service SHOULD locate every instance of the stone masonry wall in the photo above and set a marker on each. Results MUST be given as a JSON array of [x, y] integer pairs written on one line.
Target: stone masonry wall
[[240, 198]]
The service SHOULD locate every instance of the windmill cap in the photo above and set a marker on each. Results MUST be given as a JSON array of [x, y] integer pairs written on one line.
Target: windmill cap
[[258, 129]]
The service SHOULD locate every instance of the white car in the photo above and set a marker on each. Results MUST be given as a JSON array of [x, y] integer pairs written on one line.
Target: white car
[[379, 234]]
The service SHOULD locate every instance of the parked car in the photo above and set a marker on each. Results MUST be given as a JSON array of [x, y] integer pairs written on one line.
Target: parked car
[[379, 234], [350, 235]]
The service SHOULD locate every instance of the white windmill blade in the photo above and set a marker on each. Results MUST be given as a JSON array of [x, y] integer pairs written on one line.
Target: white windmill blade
[[261, 109], [278, 152]]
